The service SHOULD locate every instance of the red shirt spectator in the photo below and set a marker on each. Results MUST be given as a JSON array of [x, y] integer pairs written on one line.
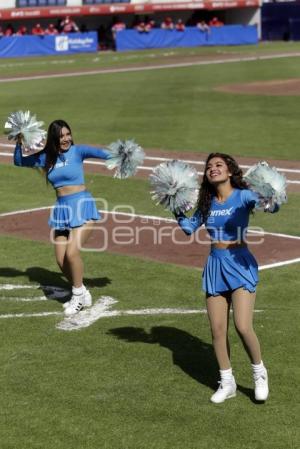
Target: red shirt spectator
[[21, 31], [167, 24], [215, 22], [51, 30], [180, 26], [118, 26], [37, 30], [149, 25], [9, 31]]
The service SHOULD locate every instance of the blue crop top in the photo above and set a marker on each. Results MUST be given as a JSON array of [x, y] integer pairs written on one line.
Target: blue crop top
[[68, 169], [226, 221]]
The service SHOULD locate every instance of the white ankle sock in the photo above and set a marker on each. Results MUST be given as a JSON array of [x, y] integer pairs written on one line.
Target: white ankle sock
[[259, 369], [78, 290], [226, 375]]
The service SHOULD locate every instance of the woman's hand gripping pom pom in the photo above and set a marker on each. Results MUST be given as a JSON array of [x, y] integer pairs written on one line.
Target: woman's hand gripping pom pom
[[125, 158], [268, 183], [175, 185], [24, 128]]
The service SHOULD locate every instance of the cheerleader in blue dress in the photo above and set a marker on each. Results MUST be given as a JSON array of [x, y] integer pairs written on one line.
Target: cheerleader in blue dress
[[230, 275], [74, 214]]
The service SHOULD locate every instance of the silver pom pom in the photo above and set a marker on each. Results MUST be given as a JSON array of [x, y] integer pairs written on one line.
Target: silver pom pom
[[125, 158], [24, 125], [176, 186], [268, 183]]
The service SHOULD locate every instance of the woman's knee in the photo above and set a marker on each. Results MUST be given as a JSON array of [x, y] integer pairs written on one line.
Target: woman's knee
[[72, 254], [219, 331], [244, 328]]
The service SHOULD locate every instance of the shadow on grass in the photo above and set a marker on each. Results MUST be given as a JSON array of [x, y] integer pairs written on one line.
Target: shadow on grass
[[46, 278], [250, 393], [195, 357]]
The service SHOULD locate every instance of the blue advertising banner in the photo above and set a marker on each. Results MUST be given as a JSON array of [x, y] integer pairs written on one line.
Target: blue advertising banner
[[191, 37], [16, 46]]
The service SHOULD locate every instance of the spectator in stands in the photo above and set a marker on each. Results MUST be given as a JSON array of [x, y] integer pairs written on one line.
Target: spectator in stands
[[180, 26], [167, 24], [9, 31], [22, 31], [149, 25], [51, 30], [68, 26], [37, 30], [202, 26], [117, 26], [215, 22], [141, 27]]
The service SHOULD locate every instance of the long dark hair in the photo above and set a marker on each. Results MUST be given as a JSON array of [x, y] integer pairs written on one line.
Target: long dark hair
[[207, 190], [52, 147]]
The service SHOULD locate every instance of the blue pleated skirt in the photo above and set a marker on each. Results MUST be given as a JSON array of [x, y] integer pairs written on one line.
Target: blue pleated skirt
[[72, 211], [229, 269]]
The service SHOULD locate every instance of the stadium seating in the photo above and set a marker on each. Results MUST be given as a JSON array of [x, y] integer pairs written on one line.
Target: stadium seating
[[35, 3]]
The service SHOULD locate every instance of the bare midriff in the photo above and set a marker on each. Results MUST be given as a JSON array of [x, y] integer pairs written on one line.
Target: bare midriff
[[228, 244], [68, 190]]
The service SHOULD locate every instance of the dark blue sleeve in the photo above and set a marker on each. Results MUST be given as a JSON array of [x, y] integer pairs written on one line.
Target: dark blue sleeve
[[34, 160], [85, 152], [189, 225], [251, 199]]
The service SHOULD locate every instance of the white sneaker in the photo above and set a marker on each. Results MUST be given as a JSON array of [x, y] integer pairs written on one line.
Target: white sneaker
[[75, 305], [87, 300], [226, 390], [261, 387]]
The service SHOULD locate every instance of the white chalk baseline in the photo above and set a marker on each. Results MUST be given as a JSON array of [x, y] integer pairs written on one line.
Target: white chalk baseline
[[102, 308]]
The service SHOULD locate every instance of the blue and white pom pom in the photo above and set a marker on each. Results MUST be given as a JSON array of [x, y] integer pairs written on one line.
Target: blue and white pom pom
[[24, 125], [126, 156], [176, 186], [268, 183]]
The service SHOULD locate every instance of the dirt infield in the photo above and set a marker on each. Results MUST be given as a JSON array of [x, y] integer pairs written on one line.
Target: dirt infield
[[156, 239], [274, 87]]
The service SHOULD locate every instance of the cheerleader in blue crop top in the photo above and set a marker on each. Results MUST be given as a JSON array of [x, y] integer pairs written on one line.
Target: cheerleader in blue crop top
[[230, 275], [74, 213]]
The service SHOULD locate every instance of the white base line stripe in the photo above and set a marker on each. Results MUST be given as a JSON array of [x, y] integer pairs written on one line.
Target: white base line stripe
[[279, 264], [274, 234], [150, 67], [25, 211], [29, 315], [161, 159], [112, 313]]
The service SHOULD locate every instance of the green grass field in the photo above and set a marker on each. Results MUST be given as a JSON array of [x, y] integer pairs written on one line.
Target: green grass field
[[144, 382]]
